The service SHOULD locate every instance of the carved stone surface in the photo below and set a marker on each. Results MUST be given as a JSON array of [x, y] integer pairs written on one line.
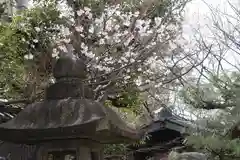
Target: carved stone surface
[[67, 89], [69, 73], [68, 111], [69, 67]]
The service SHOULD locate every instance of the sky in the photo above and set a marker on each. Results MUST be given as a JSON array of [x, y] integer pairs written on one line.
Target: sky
[[198, 16]]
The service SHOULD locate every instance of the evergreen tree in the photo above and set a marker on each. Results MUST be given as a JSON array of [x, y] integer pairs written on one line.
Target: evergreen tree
[[221, 137], [218, 98]]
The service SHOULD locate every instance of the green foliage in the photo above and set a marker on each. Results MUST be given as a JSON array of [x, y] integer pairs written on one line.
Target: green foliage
[[5, 10], [128, 100], [29, 33], [218, 146], [11, 65], [122, 149], [222, 94], [38, 27], [115, 149]]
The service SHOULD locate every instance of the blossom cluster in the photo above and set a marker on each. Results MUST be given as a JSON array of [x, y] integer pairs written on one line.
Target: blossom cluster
[[119, 39]]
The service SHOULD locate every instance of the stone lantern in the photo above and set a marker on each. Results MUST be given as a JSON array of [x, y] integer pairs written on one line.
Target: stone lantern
[[68, 124]]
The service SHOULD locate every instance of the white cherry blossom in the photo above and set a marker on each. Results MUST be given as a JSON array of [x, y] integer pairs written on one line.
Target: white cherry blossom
[[79, 28], [80, 12], [37, 29], [28, 56], [123, 41]]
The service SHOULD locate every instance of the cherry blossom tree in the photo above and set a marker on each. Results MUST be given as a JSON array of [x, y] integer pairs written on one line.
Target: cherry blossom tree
[[129, 47], [125, 47]]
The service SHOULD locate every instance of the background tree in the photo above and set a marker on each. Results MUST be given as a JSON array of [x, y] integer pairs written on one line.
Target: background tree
[[215, 92], [219, 101]]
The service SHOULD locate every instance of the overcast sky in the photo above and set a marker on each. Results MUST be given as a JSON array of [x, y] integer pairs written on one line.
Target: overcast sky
[[198, 16]]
